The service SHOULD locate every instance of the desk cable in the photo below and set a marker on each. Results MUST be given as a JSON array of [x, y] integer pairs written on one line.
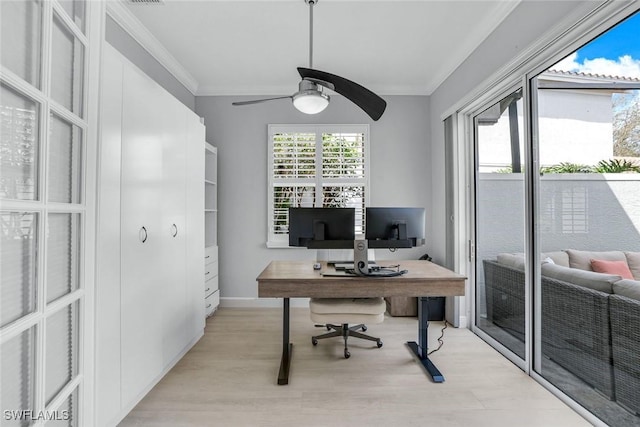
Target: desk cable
[[440, 340]]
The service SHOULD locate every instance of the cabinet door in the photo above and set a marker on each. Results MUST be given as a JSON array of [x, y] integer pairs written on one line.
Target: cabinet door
[[174, 229], [195, 225], [142, 230], [108, 238]]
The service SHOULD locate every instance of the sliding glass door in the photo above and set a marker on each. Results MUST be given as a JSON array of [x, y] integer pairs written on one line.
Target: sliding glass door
[[557, 224], [500, 223], [588, 228]]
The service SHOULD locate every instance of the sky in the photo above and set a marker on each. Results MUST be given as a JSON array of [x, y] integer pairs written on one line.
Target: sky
[[614, 53]]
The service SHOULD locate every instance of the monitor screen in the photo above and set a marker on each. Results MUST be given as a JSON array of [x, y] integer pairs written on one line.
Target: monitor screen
[[322, 228], [394, 227]]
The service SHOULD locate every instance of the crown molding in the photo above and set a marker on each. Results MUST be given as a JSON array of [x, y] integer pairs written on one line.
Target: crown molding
[[136, 29]]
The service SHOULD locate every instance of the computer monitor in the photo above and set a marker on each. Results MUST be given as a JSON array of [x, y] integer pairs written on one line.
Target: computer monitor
[[394, 227], [322, 228]]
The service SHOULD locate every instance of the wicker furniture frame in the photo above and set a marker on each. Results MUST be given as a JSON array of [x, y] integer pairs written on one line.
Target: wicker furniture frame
[[575, 322], [625, 334]]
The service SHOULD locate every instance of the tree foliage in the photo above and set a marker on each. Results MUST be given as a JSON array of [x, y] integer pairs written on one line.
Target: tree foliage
[[626, 124]]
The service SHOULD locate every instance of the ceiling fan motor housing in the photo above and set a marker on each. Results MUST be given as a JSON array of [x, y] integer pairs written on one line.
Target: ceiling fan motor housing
[[310, 99]]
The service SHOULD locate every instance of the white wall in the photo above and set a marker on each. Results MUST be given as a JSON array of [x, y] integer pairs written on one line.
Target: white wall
[[522, 28], [400, 175]]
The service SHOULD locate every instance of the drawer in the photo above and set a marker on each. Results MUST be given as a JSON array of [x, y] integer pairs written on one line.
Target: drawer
[[211, 286], [210, 254], [210, 270], [211, 303]]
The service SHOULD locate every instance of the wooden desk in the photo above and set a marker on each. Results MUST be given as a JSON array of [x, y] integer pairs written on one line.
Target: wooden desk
[[298, 279]]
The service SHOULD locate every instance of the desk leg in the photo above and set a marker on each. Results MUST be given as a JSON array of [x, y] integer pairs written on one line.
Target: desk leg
[[420, 348], [287, 347]]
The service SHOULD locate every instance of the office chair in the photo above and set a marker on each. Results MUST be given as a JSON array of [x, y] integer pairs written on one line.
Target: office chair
[[338, 313]]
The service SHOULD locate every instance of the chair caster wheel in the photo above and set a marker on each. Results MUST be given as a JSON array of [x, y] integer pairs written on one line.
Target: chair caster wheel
[[379, 343], [328, 327], [364, 328], [347, 354], [314, 341]]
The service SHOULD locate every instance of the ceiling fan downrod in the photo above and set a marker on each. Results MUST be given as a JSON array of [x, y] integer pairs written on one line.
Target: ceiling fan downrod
[[311, 3]]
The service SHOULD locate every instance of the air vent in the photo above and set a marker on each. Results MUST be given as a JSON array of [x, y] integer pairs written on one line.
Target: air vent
[[149, 2]]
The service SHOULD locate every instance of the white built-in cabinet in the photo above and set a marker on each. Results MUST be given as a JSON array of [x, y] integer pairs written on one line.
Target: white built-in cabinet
[[211, 289], [150, 236]]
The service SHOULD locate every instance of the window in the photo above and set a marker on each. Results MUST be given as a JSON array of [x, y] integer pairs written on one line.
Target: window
[[316, 166]]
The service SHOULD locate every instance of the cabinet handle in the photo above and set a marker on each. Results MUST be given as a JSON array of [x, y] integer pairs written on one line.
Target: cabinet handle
[[207, 290], [142, 234], [208, 256], [208, 305], [174, 230], [207, 273]]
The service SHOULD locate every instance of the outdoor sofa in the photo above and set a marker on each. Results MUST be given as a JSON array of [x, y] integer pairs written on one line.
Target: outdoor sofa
[[590, 320]]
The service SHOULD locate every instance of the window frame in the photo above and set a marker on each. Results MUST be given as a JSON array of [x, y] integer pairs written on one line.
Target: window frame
[[280, 240]]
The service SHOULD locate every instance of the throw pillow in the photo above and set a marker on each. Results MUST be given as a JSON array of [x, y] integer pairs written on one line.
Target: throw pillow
[[611, 267]]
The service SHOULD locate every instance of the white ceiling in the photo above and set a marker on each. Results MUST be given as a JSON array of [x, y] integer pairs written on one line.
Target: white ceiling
[[253, 47]]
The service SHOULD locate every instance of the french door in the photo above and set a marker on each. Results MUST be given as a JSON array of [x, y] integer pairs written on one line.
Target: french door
[[44, 211]]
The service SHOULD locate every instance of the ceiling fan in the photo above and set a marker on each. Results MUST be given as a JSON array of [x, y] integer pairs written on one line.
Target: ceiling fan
[[310, 97]]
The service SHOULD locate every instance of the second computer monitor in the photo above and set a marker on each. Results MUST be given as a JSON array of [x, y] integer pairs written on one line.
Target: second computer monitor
[[322, 228], [394, 227]]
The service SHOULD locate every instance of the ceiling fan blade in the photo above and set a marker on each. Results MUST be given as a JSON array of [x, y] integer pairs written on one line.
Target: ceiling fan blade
[[371, 103], [257, 101]]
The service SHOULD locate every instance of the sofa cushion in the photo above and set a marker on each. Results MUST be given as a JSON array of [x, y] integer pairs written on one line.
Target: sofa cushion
[[589, 279], [512, 260], [612, 267], [627, 288], [558, 257], [582, 259], [633, 261], [516, 260]]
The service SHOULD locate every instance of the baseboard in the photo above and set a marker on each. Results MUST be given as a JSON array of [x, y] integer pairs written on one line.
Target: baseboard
[[239, 302]]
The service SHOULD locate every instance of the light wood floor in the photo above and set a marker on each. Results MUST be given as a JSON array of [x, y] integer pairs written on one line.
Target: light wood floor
[[229, 379]]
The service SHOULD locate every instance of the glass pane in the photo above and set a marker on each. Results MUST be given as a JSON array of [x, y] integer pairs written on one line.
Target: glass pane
[[19, 238], [65, 161], [67, 66], [75, 10], [346, 197], [500, 223], [67, 414], [587, 338], [294, 155], [285, 197], [18, 365], [19, 145], [63, 256], [343, 155], [20, 38], [61, 350]]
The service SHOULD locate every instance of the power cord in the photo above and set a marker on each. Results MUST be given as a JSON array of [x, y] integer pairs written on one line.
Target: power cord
[[440, 340]]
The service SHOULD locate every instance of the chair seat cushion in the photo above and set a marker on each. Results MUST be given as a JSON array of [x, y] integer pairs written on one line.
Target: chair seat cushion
[[348, 318], [347, 305]]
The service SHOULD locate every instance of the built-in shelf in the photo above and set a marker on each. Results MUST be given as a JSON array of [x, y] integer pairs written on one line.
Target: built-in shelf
[[211, 287]]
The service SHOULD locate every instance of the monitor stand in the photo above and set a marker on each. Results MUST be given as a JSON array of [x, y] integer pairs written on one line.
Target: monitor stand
[[361, 257], [361, 265]]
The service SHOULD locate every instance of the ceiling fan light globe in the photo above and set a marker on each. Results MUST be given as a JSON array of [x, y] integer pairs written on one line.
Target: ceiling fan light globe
[[310, 102]]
